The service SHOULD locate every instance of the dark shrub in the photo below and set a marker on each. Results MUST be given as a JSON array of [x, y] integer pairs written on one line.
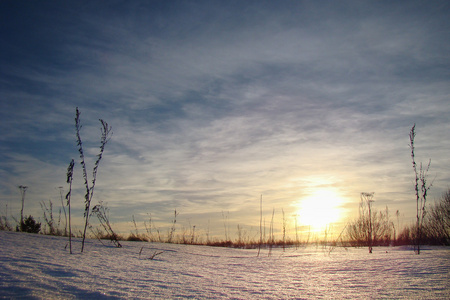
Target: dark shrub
[[29, 225]]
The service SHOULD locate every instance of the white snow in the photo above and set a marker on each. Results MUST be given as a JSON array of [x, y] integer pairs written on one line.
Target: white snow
[[40, 267]]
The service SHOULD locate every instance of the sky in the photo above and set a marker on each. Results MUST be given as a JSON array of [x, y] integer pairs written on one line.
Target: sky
[[215, 104]]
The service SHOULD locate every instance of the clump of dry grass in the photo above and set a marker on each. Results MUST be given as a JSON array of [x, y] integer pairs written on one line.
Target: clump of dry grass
[[137, 238], [102, 214]]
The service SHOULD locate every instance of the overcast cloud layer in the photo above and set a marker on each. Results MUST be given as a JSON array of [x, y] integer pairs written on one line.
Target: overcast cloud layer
[[214, 103]]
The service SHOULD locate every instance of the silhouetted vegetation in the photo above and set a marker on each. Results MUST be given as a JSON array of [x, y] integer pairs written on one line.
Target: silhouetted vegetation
[[372, 228], [50, 227], [102, 214], [437, 224], [421, 188], [4, 223], [23, 190], [172, 228], [68, 196], [106, 134], [435, 228], [29, 225]]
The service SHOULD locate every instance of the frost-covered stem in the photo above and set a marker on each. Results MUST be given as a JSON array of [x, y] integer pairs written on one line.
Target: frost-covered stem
[[370, 227], [421, 197], [284, 231], [260, 225], [193, 235], [296, 232], [412, 135], [225, 225], [172, 229], [64, 209], [49, 219], [23, 190], [86, 183], [367, 199], [271, 236], [106, 132], [69, 181]]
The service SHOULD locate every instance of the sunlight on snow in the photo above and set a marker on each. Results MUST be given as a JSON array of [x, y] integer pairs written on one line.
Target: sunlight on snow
[[320, 209], [35, 266]]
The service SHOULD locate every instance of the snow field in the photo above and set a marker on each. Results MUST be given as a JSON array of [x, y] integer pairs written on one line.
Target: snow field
[[39, 267]]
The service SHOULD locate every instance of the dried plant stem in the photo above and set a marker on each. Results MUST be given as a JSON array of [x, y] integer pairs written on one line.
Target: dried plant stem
[[64, 209], [284, 230], [23, 190], [271, 235], [106, 132], [421, 196], [172, 229], [69, 181], [260, 225], [101, 212]]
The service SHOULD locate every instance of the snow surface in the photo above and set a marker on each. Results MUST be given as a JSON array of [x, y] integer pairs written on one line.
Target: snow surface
[[39, 267]]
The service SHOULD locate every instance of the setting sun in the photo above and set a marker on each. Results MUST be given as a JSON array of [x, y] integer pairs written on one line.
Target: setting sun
[[319, 209]]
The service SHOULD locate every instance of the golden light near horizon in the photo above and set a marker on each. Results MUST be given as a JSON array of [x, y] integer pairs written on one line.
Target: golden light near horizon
[[320, 209]]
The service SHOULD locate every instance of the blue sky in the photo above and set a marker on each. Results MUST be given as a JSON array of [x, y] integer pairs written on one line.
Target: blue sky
[[213, 103]]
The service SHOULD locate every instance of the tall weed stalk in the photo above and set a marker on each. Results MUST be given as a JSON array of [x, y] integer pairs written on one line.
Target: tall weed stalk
[[172, 229], [23, 190], [69, 193], [64, 209], [421, 189], [48, 217], [106, 134]]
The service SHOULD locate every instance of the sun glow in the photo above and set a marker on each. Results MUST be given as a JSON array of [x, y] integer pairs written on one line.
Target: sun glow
[[320, 209]]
